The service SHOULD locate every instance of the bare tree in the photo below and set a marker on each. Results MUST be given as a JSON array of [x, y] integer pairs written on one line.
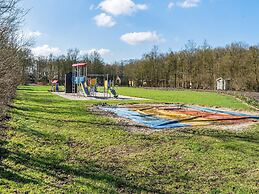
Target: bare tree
[[13, 51]]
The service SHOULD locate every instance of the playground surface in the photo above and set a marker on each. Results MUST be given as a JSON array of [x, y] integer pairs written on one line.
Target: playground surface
[[98, 96], [165, 116]]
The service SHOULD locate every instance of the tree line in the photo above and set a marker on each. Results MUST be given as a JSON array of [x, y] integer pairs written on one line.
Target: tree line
[[195, 67], [198, 67], [45, 69], [14, 51]]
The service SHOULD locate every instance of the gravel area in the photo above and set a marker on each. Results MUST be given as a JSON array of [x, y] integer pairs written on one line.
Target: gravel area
[[98, 96]]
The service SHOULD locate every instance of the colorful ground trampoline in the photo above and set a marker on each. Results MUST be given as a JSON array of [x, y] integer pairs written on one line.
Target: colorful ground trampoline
[[175, 116]]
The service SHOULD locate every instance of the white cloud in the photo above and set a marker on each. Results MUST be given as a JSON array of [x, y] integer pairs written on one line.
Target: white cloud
[[104, 20], [45, 50], [188, 3], [121, 7], [101, 51], [171, 5], [134, 38], [33, 34]]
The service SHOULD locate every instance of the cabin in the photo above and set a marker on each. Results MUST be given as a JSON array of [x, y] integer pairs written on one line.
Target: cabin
[[223, 84]]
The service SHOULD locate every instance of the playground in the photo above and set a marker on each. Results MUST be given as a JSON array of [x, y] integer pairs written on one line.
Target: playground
[[62, 145], [81, 84]]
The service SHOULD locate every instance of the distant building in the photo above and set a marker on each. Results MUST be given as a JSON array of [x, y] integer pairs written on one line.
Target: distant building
[[223, 84], [131, 83]]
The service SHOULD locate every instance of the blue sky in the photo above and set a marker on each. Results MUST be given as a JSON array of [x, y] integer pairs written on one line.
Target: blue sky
[[126, 29]]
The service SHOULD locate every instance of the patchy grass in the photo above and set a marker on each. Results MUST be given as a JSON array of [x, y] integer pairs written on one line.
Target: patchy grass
[[211, 99], [59, 146]]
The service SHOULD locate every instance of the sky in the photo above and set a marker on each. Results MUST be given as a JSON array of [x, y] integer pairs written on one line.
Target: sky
[[126, 29]]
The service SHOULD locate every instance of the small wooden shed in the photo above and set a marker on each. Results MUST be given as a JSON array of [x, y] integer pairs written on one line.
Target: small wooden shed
[[223, 84]]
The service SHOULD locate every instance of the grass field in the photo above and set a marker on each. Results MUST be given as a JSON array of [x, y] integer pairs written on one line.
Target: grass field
[[186, 97], [54, 145]]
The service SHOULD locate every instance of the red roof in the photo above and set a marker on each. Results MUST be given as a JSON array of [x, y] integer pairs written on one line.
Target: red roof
[[54, 81], [79, 65]]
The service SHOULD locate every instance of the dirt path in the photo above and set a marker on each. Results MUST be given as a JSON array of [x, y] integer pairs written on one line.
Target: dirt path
[[254, 95]]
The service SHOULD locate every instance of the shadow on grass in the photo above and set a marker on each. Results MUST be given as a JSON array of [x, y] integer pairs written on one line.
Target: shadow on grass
[[5, 171], [10, 175], [65, 171], [45, 109], [60, 121], [65, 174]]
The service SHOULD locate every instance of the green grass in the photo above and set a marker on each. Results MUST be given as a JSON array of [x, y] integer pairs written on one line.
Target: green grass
[[59, 146], [187, 97]]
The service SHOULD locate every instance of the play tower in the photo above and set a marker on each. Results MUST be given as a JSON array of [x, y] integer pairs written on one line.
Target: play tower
[[79, 77]]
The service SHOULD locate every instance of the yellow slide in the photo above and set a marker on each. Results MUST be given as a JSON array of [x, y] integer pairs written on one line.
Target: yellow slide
[[85, 91]]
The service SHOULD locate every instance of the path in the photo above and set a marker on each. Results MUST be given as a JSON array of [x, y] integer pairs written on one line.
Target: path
[[98, 96]]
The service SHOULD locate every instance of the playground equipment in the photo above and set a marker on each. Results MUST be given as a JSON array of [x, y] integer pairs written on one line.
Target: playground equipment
[[54, 86], [79, 81], [79, 78], [95, 80], [111, 88]]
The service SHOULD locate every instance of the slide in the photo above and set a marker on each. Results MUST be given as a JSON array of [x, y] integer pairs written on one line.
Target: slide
[[114, 93], [85, 90]]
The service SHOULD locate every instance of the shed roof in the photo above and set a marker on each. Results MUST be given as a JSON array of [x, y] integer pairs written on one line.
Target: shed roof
[[220, 79], [80, 65], [227, 79]]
